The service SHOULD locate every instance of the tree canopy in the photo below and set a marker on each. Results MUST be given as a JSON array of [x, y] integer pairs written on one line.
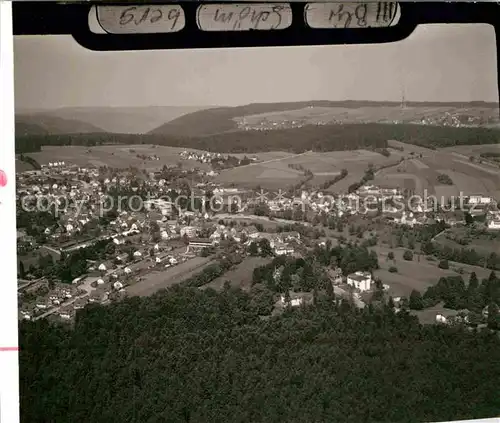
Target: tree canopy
[[186, 355], [310, 137]]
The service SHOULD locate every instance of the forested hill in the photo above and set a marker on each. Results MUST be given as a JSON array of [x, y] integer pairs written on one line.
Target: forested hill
[[186, 355], [40, 124], [317, 138], [219, 120]]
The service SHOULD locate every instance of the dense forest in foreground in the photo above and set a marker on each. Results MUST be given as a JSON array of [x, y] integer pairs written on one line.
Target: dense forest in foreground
[[297, 140], [186, 355]]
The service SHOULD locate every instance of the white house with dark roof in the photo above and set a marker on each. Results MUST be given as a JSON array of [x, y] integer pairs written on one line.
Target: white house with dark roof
[[360, 280], [281, 249]]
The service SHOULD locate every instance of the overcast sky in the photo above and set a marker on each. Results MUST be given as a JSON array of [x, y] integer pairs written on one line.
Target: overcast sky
[[436, 63]]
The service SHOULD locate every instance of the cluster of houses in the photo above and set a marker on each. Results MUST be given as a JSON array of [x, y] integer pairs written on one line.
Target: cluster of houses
[[55, 297], [451, 317], [493, 220], [455, 120], [485, 205], [103, 281], [78, 193], [54, 164], [201, 156], [358, 283], [269, 124], [446, 119], [284, 243]]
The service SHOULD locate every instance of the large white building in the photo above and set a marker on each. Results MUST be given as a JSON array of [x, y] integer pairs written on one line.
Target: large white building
[[360, 280], [164, 206], [296, 299], [283, 249], [200, 243], [494, 224], [479, 200]]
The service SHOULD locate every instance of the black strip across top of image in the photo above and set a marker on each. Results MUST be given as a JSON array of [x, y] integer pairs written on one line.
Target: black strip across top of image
[[44, 18], [73, 18]]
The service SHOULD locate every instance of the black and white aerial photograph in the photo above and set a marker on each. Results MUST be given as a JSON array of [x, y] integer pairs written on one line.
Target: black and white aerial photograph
[[272, 234]]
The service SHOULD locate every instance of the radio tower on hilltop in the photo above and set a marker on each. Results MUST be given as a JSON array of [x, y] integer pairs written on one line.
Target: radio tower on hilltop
[[403, 96], [401, 80]]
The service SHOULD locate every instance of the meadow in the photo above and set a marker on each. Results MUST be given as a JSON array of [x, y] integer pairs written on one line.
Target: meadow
[[117, 156], [473, 150], [417, 274], [277, 173], [484, 244], [240, 276], [421, 172], [157, 280], [280, 170]]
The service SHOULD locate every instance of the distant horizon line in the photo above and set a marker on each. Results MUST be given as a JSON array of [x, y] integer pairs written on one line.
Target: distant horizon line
[[49, 109]]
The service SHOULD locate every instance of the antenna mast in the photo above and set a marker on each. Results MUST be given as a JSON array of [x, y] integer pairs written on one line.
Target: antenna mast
[[401, 81]]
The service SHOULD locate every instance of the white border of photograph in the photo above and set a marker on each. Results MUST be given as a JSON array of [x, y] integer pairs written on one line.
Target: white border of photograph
[[9, 368]]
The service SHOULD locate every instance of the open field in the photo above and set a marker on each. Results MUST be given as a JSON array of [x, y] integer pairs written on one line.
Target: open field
[[115, 156], [22, 166], [483, 167], [410, 148], [482, 244], [468, 183], [264, 156], [272, 171], [446, 192], [121, 156], [417, 275], [420, 165], [240, 276], [473, 150], [271, 175], [276, 173], [387, 179], [411, 274], [421, 173], [157, 280], [428, 316]]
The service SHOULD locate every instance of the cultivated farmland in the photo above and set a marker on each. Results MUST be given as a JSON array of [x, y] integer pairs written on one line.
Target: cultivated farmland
[[473, 150], [276, 173], [420, 172], [116, 156], [280, 170]]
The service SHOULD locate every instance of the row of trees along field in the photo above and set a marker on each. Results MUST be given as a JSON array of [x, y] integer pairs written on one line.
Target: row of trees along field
[[405, 236], [456, 294], [187, 355], [462, 255], [311, 137]]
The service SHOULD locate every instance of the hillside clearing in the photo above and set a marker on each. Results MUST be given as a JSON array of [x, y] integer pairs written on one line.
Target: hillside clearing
[[240, 276], [156, 280]]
